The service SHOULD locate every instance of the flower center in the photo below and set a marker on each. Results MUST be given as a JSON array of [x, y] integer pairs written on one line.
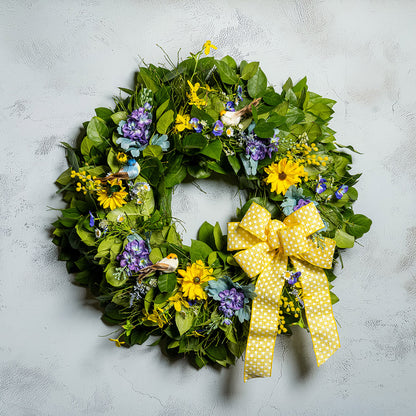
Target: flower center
[[282, 176], [197, 279]]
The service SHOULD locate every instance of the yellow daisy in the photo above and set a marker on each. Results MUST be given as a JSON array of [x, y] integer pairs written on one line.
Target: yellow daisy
[[112, 196], [192, 278], [283, 175]]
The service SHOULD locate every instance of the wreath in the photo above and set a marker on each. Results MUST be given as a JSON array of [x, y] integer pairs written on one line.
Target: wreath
[[275, 265]]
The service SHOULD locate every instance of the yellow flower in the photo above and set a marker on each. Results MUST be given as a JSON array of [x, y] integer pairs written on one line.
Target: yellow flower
[[117, 342], [283, 175], [182, 122], [208, 46], [157, 316], [177, 301], [121, 157], [112, 196], [193, 97], [192, 278]]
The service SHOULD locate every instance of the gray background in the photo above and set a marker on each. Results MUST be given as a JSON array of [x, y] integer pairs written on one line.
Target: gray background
[[61, 59]]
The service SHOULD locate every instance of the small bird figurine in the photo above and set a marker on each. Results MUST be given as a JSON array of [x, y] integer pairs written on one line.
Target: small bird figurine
[[232, 118], [167, 265], [130, 171]]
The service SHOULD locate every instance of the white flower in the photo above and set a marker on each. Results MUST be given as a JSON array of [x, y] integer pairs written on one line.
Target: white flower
[[97, 233], [120, 218], [229, 132], [231, 118]]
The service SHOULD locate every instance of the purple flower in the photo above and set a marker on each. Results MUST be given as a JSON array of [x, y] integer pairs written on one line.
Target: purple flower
[[229, 106], [274, 144], [301, 203], [341, 191], [294, 277], [239, 93], [256, 149], [227, 321], [134, 257], [194, 122], [231, 301], [135, 131], [91, 219], [218, 128], [321, 187]]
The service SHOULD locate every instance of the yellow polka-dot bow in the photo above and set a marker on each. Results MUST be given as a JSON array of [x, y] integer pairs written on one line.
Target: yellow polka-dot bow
[[266, 245]]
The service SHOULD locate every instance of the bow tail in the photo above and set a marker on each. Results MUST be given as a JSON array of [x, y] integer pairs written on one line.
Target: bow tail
[[318, 308], [264, 320]]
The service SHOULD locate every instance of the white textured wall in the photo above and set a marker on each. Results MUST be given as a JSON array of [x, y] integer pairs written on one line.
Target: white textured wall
[[61, 59]]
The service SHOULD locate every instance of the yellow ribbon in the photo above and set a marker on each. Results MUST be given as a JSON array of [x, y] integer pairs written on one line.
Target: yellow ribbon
[[266, 245]]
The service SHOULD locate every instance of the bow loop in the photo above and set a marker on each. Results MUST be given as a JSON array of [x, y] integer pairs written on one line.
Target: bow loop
[[256, 221]]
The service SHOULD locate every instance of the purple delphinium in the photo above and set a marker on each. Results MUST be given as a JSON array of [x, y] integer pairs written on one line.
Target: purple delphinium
[[321, 187], [230, 106], [218, 128], [341, 191], [135, 131], [231, 301], [136, 126], [301, 203], [134, 257], [256, 149]]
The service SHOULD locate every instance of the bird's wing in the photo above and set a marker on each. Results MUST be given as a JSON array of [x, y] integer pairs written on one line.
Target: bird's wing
[[160, 266]]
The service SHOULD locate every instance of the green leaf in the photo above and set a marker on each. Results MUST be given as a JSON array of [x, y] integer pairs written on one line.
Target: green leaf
[[97, 130], [206, 234], [264, 129], [120, 116], [104, 113], [86, 146], [198, 172], [87, 237], [213, 149], [343, 239], [194, 141], [153, 151], [234, 163], [358, 225], [165, 121], [215, 167], [64, 177], [218, 237], [138, 336], [176, 177], [184, 320], [321, 110], [110, 275], [199, 251], [291, 97], [257, 85], [230, 62], [162, 108], [227, 74], [112, 161], [249, 70], [272, 98], [334, 298], [148, 299], [167, 282], [148, 78], [217, 352]]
